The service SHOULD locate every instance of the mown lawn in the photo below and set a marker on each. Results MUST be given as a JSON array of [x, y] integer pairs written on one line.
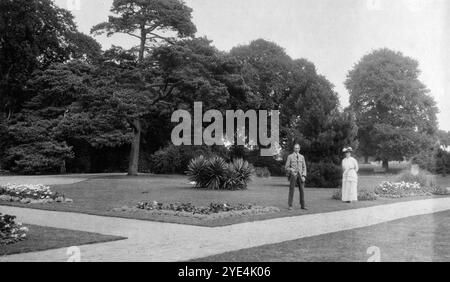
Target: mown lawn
[[416, 239], [45, 238], [101, 194]]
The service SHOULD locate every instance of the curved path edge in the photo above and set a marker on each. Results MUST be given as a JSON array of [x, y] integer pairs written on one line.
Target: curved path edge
[[166, 242]]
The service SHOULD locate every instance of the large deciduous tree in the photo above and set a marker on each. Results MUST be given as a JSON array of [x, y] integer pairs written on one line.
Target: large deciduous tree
[[396, 115], [309, 108], [152, 22]]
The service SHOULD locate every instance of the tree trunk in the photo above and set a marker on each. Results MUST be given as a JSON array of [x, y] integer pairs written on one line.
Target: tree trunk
[[366, 159], [142, 44], [386, 165], [133, 165], [62, 169], [135, 147]]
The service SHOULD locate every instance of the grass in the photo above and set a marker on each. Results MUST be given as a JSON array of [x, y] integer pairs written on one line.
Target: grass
[[421, 238], [45, 238], [101, 194], [371, 168]]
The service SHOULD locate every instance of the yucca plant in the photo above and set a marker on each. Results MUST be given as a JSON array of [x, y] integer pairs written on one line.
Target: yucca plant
[[239, 175], [217, 171], [197, 172], [217, 174]]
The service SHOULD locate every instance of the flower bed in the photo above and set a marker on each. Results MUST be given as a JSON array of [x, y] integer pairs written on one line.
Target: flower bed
[[363, 195], [10, 231], [30, 194], [211, 212], [402, 190]]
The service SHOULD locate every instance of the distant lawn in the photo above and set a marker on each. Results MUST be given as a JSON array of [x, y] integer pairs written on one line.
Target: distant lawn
[[421, 238], [100, 195], [45, 238], [370, 169]]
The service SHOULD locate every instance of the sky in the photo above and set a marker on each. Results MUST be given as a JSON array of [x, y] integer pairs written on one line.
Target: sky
[[333, 34]]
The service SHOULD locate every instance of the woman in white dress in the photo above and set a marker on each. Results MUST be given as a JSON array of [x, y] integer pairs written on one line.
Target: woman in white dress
[[350, 177]]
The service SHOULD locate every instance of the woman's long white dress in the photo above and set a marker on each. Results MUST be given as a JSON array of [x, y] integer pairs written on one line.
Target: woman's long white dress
[[350, 180]]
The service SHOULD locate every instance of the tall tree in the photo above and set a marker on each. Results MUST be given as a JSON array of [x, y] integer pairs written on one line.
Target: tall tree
[[312, 116], [396, 115], [152, 22]]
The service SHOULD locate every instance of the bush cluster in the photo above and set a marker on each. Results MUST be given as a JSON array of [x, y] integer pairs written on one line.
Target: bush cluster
[[262, 172], [216, 174], [324, 175], [436, 161], [175, 159]]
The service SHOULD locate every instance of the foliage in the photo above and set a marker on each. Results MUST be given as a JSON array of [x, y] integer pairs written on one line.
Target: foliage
[[324, 175], [363, 195], [39, 157], [165, 161], [274, 166], [444, 138], [197, 171], [81, 104], [33, 35], [216, 174], [266, 70], [67, 108], [10, 231], [436, 161], [175, 159], [188, 71], [149, 21], [238, 175], [309, 107], [92, 106], [262, 172], [402, 190], [395, 114]]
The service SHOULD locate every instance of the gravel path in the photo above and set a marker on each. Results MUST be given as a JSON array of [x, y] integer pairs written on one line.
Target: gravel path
[[155, 241]]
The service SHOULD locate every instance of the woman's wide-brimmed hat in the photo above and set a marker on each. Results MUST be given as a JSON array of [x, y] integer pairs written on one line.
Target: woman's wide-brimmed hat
[[347, 150]]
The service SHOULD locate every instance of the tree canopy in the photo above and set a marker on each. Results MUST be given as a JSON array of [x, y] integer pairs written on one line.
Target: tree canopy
[[309, 107], [395, 113], [150, 21], [33, 35]]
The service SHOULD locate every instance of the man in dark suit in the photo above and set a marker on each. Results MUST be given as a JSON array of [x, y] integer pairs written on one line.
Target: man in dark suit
[[296, 169]]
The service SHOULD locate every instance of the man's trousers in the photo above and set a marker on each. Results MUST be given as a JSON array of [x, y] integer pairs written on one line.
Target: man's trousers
[[295, 180]]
